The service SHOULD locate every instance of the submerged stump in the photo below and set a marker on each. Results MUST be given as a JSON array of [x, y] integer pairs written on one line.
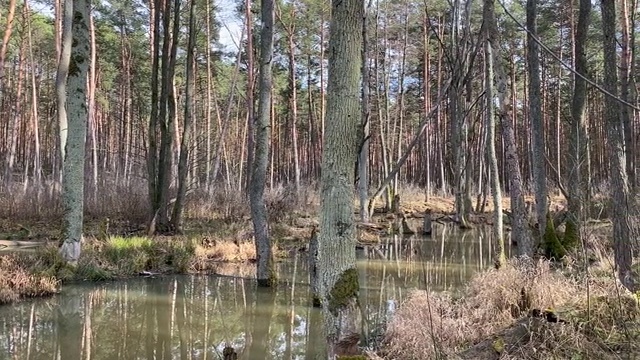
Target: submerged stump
[[426, 223]]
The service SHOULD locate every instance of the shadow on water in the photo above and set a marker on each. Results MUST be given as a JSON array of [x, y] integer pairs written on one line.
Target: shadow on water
[[196, 317]]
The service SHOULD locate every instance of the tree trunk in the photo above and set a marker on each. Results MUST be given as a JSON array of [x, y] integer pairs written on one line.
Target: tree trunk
[[363, 156], [176, 217], [73, 168], [577, 158], [62, 74], [249, 95], [536, 121], [617, 166], [5, 42], [265, 268], [625, 76], [490, 126], [520, 231], [338, 276]]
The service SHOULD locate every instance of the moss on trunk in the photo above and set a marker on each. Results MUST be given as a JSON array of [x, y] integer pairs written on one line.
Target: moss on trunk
[[345, 289], [553, 248]]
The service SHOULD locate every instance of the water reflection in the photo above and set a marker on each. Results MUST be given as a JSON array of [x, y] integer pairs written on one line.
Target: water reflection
[[196, 317]]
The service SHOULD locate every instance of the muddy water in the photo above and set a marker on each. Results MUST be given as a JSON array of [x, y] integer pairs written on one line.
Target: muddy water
[[195, 317]]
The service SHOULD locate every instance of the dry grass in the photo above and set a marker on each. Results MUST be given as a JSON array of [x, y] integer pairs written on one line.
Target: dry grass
[[433, 326], [17, 281]]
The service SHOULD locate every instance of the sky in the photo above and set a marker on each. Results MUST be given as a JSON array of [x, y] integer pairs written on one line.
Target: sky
[[230, 25]]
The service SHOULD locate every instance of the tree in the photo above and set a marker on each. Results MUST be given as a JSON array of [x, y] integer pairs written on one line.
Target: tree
[[265, 271], [176, 217], [492, 159], [535, 115], [338, 277], [617, 156], [577, 155], [520, 232], [73, 166]]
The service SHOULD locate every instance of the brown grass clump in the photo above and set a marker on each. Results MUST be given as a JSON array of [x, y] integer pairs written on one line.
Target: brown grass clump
[[491, 318], [17, 282]]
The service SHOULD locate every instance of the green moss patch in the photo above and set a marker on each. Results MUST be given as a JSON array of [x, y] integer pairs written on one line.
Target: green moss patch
[[344, 290]]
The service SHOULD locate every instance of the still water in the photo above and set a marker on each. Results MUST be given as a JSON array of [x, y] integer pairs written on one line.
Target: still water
[[195, 317]]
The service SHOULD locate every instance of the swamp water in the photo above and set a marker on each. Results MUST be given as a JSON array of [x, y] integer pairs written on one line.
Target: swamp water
[[195, 317]]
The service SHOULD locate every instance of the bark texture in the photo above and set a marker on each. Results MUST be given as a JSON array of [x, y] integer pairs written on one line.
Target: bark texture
[[535, 116], [73, 166], [336, 264], [617, 159], [519, 231], [578, 134], [496, 191], [265, 271]]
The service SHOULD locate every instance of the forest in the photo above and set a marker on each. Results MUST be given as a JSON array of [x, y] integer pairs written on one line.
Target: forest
[[168, 136]]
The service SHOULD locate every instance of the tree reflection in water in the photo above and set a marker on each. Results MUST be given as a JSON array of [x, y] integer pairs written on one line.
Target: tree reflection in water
[[196, 317]]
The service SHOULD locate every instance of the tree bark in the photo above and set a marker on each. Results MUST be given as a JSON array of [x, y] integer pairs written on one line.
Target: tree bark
[[490, 144], [617, 166], [176, 217], [536, 121], [62, 74], [265, 269], [73, 168], [5, 42], [363, 156], [577, 158], [520, 232], [338, 276]]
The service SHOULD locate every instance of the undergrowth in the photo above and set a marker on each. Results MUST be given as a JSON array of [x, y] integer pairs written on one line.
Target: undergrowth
[[492, 318]]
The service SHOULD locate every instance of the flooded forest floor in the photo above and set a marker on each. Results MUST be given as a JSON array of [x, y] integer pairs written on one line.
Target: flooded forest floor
[[527, 310]]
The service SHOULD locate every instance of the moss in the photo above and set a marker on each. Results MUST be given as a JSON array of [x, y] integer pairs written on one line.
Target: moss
[[553, 248], [571, 237], [344, 290]]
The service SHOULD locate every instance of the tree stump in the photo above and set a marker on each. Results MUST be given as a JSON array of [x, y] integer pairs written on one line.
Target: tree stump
[[228, 353], [426, 223], [406, 229], [395, 204]]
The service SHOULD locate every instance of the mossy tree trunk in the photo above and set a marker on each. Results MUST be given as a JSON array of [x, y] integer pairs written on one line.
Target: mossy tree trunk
[[496, 191], [617, 157], [265, 271], [577, 158], [336, 263], [73, 162]]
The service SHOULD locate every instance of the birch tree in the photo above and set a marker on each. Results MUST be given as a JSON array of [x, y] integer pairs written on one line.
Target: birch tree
[[336, 262], [73, 161]]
